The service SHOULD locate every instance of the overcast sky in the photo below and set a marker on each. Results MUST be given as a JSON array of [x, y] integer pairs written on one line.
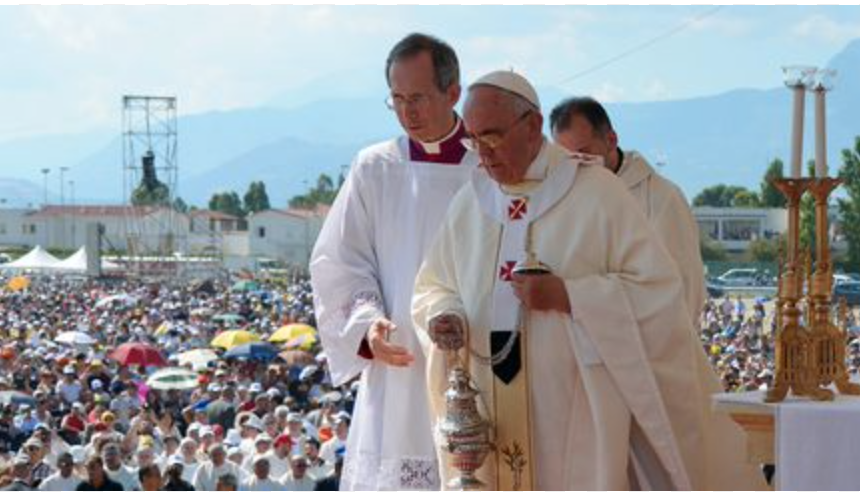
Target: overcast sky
[[64, 69]]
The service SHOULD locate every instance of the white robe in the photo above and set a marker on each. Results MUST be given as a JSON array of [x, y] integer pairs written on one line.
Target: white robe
[[668, 212], [615, 389], [363, 267]]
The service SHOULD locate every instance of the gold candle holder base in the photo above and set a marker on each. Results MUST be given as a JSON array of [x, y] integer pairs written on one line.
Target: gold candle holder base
[[808, 359]]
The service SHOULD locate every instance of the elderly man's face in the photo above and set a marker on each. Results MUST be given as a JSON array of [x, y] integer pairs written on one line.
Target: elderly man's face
[[511, 137], [582, 137], [424, 112]]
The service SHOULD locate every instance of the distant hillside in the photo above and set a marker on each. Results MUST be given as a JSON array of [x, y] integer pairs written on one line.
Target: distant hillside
[[725, 138]]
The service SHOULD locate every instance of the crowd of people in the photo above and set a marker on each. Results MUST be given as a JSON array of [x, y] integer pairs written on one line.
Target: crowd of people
[[737, 333], [73, 418]]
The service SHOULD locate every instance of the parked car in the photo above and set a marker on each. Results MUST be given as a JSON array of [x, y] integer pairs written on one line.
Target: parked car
[[743, 277], [848, 290]]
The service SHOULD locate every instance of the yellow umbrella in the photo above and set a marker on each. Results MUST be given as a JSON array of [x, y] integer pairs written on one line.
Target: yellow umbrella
[[162, 330], [18, 283], [292, 331], [233, 338]]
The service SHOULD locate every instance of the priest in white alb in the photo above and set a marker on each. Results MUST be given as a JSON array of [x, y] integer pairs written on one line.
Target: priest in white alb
[[582, 125], [551, 287], [364, 264]]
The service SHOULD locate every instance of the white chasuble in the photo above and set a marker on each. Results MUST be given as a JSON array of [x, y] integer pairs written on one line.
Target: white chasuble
[[363, 268], [616, 398]]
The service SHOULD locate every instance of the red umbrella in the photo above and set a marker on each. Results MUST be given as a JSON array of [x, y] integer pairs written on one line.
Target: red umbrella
[[139, 354]]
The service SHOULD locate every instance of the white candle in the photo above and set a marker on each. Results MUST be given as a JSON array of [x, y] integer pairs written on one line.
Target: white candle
[[820, 134], [797, 131]]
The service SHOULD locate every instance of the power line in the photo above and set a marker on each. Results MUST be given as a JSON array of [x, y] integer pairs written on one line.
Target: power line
[[648, 43]]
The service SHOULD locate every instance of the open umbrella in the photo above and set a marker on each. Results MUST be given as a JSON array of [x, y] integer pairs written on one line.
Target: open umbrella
[[75, 338], [198, 358], [257, 351], [292, 331], [139, 354], [302, 342], [18, 283], [172, 378], [16, 398], [233, 338], [117, 298]]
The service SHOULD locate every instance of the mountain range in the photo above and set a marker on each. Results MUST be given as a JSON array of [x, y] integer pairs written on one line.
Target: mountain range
[[724, 138]]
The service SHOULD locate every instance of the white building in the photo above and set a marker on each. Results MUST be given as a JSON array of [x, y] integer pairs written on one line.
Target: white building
[[285, 235], [15, 230], [735, 228]]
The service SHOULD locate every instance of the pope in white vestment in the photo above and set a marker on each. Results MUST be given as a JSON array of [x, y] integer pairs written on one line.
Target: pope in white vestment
[[615, 399]]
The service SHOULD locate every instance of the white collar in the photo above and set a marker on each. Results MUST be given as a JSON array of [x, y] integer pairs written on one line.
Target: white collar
[[435, 147]]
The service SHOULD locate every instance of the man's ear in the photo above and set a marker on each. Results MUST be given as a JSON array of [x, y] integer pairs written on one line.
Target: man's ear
[[612, 137], [453, 94]]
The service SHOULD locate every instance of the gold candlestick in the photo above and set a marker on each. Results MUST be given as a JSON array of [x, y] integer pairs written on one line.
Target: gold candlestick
[[808, 359]]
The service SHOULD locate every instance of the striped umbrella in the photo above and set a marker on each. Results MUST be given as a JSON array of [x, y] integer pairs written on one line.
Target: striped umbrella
[[172, 378]]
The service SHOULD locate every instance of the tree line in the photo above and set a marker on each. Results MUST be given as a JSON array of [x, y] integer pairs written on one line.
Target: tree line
[[768, 196]]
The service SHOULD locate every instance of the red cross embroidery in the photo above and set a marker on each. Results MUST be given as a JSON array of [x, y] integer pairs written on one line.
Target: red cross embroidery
[[517, 209], [506, 271]]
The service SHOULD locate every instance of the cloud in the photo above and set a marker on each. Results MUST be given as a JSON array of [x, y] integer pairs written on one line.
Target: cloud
[[821, 27], [607, 92], [722, 24]]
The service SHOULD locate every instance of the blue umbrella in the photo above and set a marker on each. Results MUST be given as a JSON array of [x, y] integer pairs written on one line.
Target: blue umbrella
[[258, 351]]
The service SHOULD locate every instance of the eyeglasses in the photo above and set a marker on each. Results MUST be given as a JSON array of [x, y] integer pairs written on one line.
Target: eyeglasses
[[492, 141], [397, 102]]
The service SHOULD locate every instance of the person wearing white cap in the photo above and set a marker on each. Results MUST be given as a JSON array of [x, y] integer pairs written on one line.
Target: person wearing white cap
[[188, 452], [364, 263], [547, 245], [581, 124]]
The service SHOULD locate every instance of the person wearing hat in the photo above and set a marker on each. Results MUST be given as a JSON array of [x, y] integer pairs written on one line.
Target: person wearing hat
[[116, 470], [69, 388], [581, 124], [65, 477], [279, 456], [20, 474], [547, 243], [364, 262], [262, 446], [39, 469], [338, 442], [188, 451]]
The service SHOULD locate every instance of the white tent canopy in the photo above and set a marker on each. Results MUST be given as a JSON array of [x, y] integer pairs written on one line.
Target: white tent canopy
[[75, 263], [39, 259], [36, 259]]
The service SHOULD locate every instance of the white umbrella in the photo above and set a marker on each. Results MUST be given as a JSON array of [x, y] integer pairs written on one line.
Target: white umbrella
[[173, 378], [198, 358], [75, 338], [125, 298]]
